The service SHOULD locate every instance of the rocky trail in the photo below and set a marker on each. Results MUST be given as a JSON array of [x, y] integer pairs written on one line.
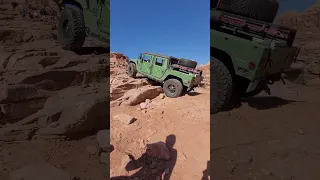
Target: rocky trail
[[143, 119], [54, 103]]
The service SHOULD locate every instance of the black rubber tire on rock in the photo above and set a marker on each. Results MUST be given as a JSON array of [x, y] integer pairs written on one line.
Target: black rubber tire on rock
[[262, 10], [132, 70], [221, 86], [73, 38], [188, 63], [176, 84]]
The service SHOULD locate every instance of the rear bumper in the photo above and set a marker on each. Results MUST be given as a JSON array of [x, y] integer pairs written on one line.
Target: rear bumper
[[276, 63], [195, 82]]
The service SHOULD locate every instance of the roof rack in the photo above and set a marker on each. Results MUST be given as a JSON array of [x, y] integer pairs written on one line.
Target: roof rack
[[249, 28]]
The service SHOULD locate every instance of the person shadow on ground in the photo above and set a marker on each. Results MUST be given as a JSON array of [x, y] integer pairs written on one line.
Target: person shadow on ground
[[152, 167], [206, 172]]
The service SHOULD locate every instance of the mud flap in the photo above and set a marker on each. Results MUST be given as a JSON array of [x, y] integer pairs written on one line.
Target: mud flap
[[253, 85]]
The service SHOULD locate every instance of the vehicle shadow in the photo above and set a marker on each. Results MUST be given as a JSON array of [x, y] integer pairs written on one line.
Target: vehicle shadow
[[93, 50], [150, 166], [206, 172], [260, 103]]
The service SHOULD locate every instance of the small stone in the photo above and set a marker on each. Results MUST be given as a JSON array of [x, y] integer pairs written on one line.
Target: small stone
[[27, 37], [162, 96], [265, 172], [143, 105], [148, 101], [115, 103], [153, 165], [300, 132], [92, 150], [124, 118], [103, 138], [144, 111], [104, 158]]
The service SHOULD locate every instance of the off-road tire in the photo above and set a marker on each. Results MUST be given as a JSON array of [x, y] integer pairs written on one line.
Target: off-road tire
[[188, 63], [72, 40], [132, 70], [262, 10], [177, 85], [221, 86]]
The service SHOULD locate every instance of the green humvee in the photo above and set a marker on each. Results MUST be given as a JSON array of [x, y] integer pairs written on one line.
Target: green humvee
[[178, 75], [82, 18], [247, 51]]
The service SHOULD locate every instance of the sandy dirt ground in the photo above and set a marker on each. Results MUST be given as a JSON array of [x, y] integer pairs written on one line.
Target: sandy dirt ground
[[269, 137]]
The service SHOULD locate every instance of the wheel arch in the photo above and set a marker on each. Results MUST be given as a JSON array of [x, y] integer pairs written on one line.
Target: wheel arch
[[224, 57], [73, 2], [132, 62], [174, 77]]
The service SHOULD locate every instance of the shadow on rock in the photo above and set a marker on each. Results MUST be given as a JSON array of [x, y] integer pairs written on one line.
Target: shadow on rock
[[269, 102], [206, 172], [93, 50], [156, 163], [260, 103]]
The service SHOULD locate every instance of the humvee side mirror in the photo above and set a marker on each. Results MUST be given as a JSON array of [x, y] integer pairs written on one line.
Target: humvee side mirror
[[140, 56]]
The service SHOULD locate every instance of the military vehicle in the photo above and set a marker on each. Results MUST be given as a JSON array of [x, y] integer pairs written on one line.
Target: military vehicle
[[178, 75], [82, 18], [248, 51]]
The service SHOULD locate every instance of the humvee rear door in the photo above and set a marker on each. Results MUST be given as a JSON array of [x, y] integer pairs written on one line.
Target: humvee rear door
[[159, 67]]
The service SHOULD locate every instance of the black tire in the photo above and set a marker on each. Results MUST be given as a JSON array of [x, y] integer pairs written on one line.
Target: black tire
[[188, 63], [71, 28], [262, 10], [132, 70], [172, 88], [221, 86]]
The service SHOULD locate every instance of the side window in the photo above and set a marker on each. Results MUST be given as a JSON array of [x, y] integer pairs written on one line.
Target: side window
[[159, 61], [146, 58]]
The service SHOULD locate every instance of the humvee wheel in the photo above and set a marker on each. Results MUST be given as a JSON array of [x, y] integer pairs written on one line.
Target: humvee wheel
[[132, 70], [172, 88], [221, 85], [71, 28]]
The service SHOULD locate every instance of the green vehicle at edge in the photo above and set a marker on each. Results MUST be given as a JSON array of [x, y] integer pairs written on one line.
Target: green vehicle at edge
[[82, 18], [178, 75], [248, 51]]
